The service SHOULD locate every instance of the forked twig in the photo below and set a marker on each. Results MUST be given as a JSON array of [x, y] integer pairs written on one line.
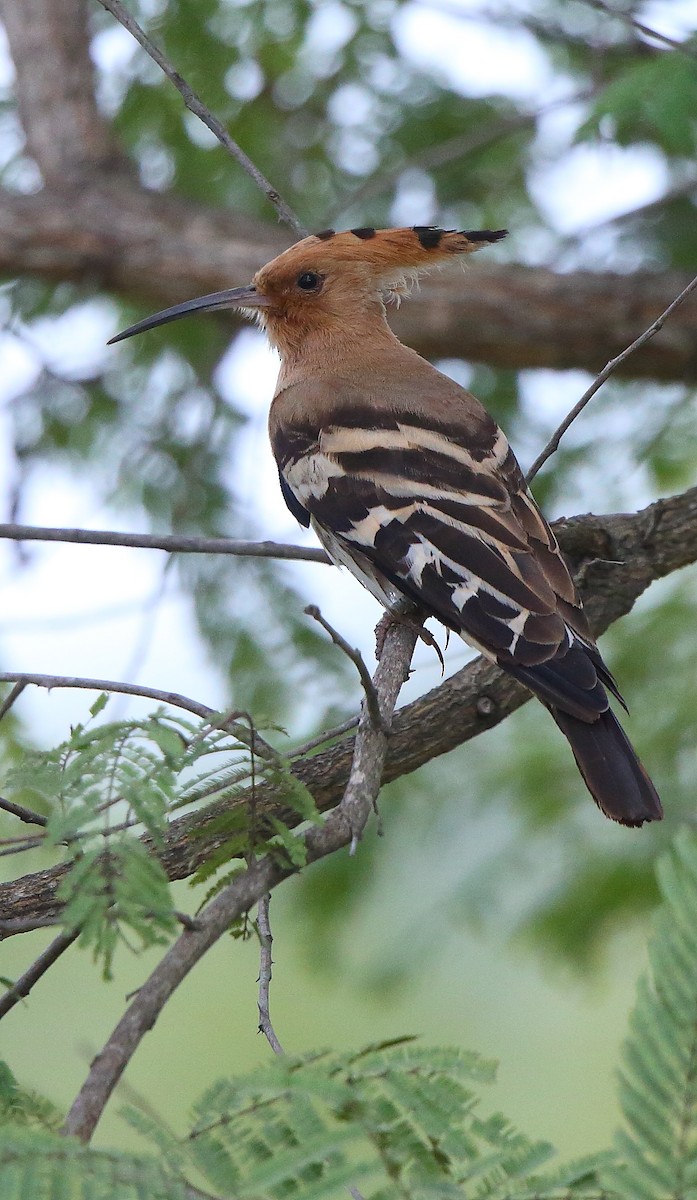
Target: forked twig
[[371, 697]]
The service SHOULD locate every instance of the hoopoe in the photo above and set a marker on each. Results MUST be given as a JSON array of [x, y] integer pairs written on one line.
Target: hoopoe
[[409, 482]]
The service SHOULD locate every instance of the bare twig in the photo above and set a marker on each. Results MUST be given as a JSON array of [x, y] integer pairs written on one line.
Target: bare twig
[[19, 845], [326, 736], [199, 109], [25, 983], [356, 657], [25, 814], [343, 827], [11, 926], [186, 921], [176, 699], [10, 699], [629, 19], [172, 543], [265, 972], [553, 443]]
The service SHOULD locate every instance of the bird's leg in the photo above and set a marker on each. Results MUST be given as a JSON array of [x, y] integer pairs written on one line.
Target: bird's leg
[[404, 613]]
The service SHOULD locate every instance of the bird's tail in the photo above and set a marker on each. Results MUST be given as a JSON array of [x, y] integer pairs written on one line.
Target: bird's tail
[[614, 776]]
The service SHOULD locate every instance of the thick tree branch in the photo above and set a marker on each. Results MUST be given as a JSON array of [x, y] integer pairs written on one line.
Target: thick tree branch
[[616, 558], [65, 132]]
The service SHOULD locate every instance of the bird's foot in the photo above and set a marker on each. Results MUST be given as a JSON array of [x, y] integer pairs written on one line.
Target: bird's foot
[[413, 618]]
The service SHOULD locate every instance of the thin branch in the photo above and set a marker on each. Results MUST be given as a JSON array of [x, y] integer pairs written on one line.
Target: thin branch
[[630, 20], [371, 697], [25, 814], [21, 989], [326, 736], [20, 845], [344, 826], [186, 921], [265, 972], [553, 443], [199, 109], [11, 926], [176, 699], [10, 699], [172, 543]]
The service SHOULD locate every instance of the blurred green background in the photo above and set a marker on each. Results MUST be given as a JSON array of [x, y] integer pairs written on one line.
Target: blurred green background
[[499, 911]]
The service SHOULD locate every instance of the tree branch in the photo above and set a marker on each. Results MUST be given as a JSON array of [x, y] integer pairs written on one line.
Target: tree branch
[[65, 132], [616, 557], [173, 543], [175, 699], [355, 656], [199, 109], [265, 973], [607, 371], [21, 989]]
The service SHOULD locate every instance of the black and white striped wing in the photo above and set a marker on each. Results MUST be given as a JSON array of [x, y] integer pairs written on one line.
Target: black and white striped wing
[[423, 513]]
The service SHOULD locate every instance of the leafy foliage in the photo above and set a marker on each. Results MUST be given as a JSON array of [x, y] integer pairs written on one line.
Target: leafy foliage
[[401, 1121], [41, 1166], [658, 1084], [394, 1120], [110, 784]]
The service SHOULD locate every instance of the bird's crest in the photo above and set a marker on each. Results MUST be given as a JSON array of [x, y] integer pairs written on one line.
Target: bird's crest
[[389, 254]]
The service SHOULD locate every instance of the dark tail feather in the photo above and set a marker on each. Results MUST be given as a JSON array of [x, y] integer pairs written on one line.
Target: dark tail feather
[[614, 776]]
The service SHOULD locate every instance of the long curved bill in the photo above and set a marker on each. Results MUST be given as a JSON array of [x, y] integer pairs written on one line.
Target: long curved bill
[[243, 297]]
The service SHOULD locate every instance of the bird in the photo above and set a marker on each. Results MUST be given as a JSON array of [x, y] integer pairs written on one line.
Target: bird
[[409, 482]]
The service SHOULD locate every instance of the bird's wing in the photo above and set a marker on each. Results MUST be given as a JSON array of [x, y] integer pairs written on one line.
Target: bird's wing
[[451, 525]]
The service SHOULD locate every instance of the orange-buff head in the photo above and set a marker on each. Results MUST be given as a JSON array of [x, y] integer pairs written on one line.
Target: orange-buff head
[[329, 279]]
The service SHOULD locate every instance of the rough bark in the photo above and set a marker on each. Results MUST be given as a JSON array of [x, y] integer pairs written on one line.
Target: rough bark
[[616, 557]]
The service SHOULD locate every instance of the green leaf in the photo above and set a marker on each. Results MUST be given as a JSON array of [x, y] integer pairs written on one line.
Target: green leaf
[[658, 1084], [39, 1166]]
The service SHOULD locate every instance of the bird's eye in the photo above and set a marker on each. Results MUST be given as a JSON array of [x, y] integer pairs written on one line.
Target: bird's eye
[[309, 281]]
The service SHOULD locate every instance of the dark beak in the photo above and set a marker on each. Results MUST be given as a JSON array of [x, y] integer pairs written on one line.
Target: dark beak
[[243, 297]]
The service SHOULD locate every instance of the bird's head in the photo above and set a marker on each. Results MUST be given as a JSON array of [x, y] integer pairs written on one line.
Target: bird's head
[[328, 281]]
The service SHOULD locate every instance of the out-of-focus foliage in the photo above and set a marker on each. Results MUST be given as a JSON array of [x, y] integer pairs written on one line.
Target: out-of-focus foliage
[[397, 1120], [657, 1148], [329, 100]]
